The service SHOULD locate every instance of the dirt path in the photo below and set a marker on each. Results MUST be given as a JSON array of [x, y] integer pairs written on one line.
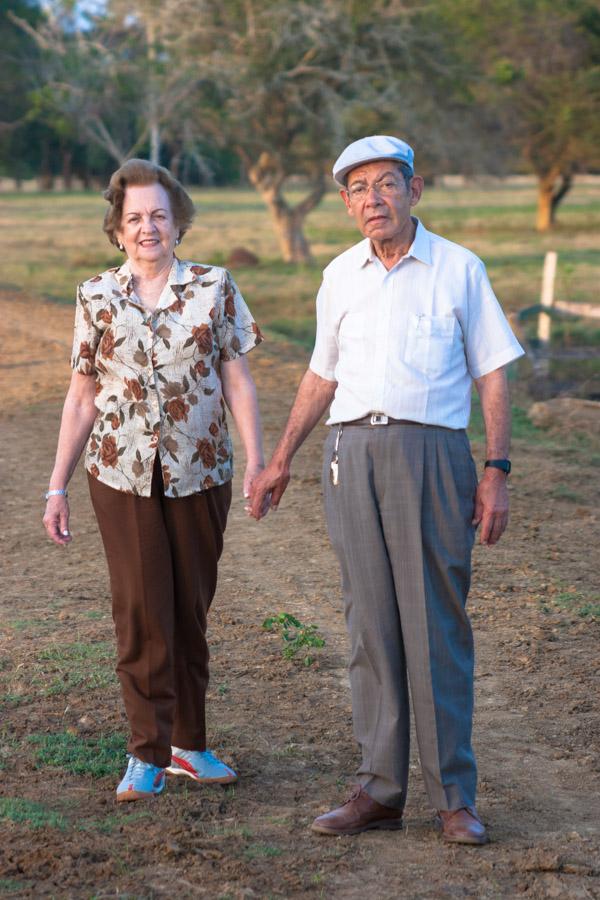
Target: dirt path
[[286, 727]]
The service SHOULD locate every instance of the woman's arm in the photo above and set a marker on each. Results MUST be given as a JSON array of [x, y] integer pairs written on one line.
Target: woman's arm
[[240, 396], [79, 413]]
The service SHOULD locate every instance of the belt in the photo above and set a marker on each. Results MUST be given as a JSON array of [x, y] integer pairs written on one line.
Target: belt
[[380, 419]]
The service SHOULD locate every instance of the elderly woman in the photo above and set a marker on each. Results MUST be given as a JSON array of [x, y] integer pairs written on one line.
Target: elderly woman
[[158, 353]]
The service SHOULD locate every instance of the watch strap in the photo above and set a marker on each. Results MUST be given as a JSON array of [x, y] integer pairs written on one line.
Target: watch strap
[[503, 464]]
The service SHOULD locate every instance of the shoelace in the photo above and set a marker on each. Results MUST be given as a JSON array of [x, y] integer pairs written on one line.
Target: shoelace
[[135, 763]]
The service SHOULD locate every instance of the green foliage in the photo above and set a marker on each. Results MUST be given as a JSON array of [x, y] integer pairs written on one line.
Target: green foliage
[[35, 815], [96, 757], [295, 635]]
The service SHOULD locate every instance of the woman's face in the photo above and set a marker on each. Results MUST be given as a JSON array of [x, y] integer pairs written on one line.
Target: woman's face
[[147, 232]]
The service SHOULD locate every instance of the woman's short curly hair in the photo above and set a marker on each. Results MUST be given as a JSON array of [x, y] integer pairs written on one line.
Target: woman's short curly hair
[[141, 171]]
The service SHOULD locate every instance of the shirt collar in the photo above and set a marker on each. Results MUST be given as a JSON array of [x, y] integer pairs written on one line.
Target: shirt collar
[[420, 247], [180, 274]]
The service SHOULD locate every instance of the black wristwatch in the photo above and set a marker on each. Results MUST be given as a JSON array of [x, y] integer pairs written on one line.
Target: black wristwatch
[[502, 464]]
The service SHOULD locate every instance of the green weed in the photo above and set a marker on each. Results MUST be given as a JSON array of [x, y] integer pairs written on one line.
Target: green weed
[[36, 815], [295, 635], [96, 757]]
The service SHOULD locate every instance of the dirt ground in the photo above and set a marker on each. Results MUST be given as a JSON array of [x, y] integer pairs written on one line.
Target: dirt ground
[[287, 727]]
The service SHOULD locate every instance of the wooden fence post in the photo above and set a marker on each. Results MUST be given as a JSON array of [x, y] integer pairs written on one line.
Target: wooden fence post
[[544, 328]]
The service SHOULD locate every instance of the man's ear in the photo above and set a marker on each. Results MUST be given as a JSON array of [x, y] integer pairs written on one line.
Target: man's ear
[[416, 189], [346, 199]]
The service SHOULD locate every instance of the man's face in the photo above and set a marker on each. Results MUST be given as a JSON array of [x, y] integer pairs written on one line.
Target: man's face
[[377, 197]]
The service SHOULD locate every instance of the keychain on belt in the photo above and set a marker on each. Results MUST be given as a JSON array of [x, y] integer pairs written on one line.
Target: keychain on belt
[[333, 465]]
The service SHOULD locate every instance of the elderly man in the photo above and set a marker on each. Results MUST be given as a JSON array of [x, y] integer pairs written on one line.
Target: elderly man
[[406, 321]]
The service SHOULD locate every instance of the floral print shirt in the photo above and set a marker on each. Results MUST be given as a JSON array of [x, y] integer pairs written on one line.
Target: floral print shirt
[[158, 386]]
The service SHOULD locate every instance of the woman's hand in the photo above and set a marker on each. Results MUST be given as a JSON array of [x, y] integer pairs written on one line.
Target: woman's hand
[[56, 520], [252, 471]]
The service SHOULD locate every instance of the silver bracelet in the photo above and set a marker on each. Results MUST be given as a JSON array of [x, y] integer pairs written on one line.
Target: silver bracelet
[[58, 492]]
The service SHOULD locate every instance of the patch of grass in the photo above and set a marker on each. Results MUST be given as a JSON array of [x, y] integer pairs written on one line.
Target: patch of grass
[[564, 492], [31, 625], [109, 824], [78, 665], [575, 603], [13, 700], [36, 815], [96, 757], [12, 886], [261, 851], [300, 331]]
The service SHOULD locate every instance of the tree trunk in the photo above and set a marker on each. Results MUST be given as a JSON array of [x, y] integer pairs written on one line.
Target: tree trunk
[[288, 227], [67, 168], [267, 176], [45, 178], [544, 207], [550, 193]]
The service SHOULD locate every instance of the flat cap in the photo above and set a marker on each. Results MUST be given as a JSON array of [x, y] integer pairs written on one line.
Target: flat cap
[[370, 149]]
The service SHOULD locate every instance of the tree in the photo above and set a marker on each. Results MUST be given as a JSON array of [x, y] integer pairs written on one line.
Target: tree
[[537, 64], [287, 84]]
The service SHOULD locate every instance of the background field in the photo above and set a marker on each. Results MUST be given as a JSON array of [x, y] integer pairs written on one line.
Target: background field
[[535, 606]]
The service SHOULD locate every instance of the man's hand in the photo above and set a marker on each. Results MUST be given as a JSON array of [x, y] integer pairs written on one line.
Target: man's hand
[[267, 490], [491, 506], [313, 397]]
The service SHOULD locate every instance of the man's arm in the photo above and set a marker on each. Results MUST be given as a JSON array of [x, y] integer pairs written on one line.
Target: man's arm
[[313, 397], [491, 499]]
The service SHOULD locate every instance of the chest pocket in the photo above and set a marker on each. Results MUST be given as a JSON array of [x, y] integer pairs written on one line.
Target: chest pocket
[[431, 343]]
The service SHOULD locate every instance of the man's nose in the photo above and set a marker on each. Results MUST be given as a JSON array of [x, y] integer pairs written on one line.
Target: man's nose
[[373, 197]]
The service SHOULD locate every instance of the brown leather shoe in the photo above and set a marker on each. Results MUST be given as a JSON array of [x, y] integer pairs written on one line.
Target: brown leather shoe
[[461, 826], [359, 813]]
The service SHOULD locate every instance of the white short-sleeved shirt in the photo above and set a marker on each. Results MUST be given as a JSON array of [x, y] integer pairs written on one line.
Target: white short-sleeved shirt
[[408, 342]]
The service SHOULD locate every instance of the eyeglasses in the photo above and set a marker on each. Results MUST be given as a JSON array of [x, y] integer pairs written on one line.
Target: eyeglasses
[[386, 187]]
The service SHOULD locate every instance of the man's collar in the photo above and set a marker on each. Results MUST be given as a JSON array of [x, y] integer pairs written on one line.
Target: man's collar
[[420, 247]]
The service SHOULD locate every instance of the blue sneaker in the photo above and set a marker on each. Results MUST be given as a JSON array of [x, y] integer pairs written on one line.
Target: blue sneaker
[[141, 780], [200, 765]]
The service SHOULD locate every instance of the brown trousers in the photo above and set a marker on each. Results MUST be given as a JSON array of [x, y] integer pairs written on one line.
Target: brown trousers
[[162, 557]]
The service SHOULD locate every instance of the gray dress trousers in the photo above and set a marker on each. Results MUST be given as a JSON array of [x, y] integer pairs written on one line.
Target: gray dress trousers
[[400, 523]]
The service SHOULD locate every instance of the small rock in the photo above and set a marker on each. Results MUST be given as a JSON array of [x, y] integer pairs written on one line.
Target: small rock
[[172, 848], [240, 256]]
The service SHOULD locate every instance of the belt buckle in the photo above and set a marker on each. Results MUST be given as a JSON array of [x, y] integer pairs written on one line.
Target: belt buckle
[[378, 419]]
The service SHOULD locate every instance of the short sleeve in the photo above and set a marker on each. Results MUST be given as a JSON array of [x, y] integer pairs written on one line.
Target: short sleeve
[[325, 354], [237, 331], [489, 340], [85, 337]]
